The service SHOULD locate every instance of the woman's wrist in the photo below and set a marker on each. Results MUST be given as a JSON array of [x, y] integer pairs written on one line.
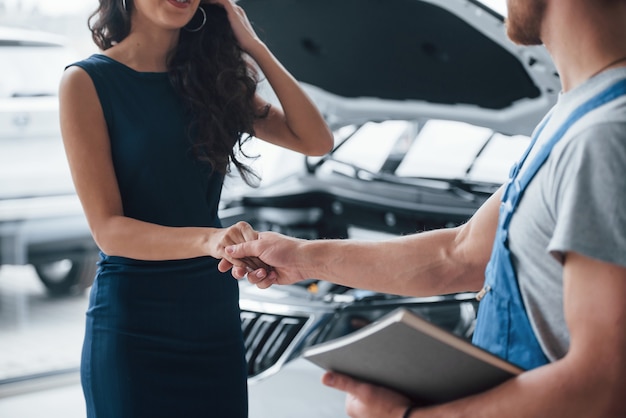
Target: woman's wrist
[[257, 49]]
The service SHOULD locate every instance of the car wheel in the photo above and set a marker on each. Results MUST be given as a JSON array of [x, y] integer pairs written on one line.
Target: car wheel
[[64, 277]]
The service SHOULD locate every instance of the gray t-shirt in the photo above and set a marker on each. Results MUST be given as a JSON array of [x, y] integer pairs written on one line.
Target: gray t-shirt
[[576, 202]]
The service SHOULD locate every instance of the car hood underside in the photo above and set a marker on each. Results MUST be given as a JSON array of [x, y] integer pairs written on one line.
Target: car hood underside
[[439, 55]]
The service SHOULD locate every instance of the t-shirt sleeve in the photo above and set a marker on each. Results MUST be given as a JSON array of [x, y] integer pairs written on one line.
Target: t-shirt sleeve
[[590, 195]]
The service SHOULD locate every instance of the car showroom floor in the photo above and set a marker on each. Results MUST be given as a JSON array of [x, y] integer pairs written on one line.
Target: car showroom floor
[[40, 342], [59, 397]]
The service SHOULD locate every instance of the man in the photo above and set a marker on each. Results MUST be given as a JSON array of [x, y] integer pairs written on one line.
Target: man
[[548, 250]]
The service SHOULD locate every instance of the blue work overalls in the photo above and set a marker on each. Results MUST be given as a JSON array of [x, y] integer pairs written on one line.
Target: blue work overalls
[[503, 327]]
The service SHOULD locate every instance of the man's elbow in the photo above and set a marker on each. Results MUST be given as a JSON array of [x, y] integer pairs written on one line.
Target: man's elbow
[[615, 400], [603, 389]]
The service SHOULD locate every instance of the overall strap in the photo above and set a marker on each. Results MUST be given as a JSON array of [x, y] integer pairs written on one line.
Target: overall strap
[[503, 326], [518, 183]]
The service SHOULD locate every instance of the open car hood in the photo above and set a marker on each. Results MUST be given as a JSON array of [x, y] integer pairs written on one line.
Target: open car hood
[[369, 60]]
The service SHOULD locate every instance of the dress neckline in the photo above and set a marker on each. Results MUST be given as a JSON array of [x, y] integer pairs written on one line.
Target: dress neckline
[[132, 71]]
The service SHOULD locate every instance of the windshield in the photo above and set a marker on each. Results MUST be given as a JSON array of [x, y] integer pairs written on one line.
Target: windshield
[[433, 149]]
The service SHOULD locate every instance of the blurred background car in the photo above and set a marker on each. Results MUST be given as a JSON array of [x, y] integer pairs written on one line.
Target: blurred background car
[[430, 104], [41, 220]]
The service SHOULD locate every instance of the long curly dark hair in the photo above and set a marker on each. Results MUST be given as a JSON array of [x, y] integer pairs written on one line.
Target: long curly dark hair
[[209, 71]]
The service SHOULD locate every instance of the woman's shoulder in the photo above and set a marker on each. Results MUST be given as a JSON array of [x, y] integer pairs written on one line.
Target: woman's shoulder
[[94, 63], [77, 77]]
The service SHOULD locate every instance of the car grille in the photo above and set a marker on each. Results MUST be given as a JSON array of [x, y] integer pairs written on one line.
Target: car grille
[[266, 338]]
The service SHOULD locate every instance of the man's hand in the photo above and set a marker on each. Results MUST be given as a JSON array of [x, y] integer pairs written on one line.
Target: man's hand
[[279, 252], [364, 400]]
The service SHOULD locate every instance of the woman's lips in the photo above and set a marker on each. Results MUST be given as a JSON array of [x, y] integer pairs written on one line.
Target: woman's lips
[[180, 4]]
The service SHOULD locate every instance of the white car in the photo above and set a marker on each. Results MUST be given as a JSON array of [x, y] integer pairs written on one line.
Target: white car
[[41, 220]]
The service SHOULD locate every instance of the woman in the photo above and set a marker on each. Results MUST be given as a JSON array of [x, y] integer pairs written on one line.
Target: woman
[[150, 126]]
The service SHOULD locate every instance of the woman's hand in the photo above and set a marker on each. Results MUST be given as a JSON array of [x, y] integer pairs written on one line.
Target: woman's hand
[[245, 35], [235, 234]]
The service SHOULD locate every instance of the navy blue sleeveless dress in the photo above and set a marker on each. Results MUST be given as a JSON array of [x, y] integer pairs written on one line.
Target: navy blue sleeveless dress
[[163, 338]]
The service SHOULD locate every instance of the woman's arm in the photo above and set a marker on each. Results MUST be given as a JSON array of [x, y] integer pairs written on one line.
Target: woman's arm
[[298, 126], [87, 145]]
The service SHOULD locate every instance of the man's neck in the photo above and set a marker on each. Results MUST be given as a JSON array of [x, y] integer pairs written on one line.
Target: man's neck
[[585, 39]]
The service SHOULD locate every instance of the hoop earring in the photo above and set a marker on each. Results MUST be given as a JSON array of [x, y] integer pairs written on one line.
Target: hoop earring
[[125, 5], [201, 25]]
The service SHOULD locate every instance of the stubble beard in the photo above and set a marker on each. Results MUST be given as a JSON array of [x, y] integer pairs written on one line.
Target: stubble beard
[[523, 24]]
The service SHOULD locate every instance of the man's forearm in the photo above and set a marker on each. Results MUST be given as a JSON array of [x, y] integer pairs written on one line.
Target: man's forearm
[[418, 265], [554, 390]]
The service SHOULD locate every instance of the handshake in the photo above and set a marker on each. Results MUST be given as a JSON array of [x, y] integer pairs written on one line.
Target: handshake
[[263, 258]]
